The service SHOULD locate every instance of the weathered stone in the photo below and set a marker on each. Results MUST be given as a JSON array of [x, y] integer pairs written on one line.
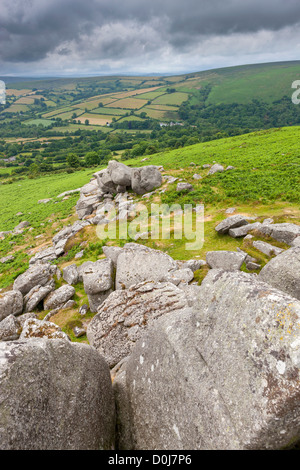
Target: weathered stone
[[44, 256], [231, 223], [120, 174], [184, 187], [70, 274], [244, 230], [185, 275], [25, 316], [85, 205], [98, 281], [283, 272], [193, 264], [145, 179], [137, 263], [6, 259], [125, 315], [112, 252], [285, 233], [266, 248], [10, 328], [224, 375], [296, 241], [58, 297], [37, 274], [54, 395], [216, 168], [227, 260], [36, 295], [11, 303], [78, 332], [34, 328]]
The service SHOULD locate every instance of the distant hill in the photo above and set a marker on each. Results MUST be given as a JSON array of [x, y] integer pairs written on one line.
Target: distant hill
[[232, 100]]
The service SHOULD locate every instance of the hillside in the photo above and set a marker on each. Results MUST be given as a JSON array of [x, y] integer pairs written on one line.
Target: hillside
[[98, 308], [115, 101], [265, 183]]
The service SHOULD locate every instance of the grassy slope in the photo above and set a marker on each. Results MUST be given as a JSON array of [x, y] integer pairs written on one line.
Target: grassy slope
[[264, 184]]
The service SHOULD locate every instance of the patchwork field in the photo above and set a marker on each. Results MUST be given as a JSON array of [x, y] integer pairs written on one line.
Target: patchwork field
[[129, 103], [97, 120]]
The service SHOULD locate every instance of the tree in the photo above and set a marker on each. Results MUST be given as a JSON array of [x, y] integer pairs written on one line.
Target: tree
[[92, 159], [73, 160]]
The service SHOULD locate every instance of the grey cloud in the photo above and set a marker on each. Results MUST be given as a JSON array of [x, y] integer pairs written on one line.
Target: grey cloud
[[32, 30]]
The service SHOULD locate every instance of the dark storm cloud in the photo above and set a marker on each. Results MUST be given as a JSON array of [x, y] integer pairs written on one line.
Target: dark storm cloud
[[106, 32]]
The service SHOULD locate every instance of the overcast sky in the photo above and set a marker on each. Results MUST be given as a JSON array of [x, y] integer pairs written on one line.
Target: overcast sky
[[95, 37]]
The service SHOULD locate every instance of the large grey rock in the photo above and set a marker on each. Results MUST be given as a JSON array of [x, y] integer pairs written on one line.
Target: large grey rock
[[70, 274], [36, 295], [137, 263], [112, 252], [145, 179], [11, 303], [58, 297], [37, 274], [231, 223], [105, 182], [63, 236], [86, 205], [224, 375], [227, 260], [44, 256], [54, 395], [120, 174], [283, 272], [10, 328], [34, 328], [244, 230], [125, 315], [285, 232], [267, 248], [98, 281]]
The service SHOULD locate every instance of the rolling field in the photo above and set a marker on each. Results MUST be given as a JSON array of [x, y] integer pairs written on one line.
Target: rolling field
[[129, 103]]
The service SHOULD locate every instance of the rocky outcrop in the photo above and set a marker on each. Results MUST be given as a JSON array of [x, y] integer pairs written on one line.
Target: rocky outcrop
[[223, 375], [227, 260], [285, 232], [44, 256], [54, 395], [58, 297], [137, 263], [11, 303], [125, 315], [231, 223], [70, 274], [283, 272], [36, 295], [117, 178], [63, 236], [10, 328], [98, 281], [244, 230], [33, 328], [37, 274]]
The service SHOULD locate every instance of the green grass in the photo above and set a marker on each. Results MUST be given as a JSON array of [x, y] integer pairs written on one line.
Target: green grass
[[37, 122], [171, 99], [23, 196]]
